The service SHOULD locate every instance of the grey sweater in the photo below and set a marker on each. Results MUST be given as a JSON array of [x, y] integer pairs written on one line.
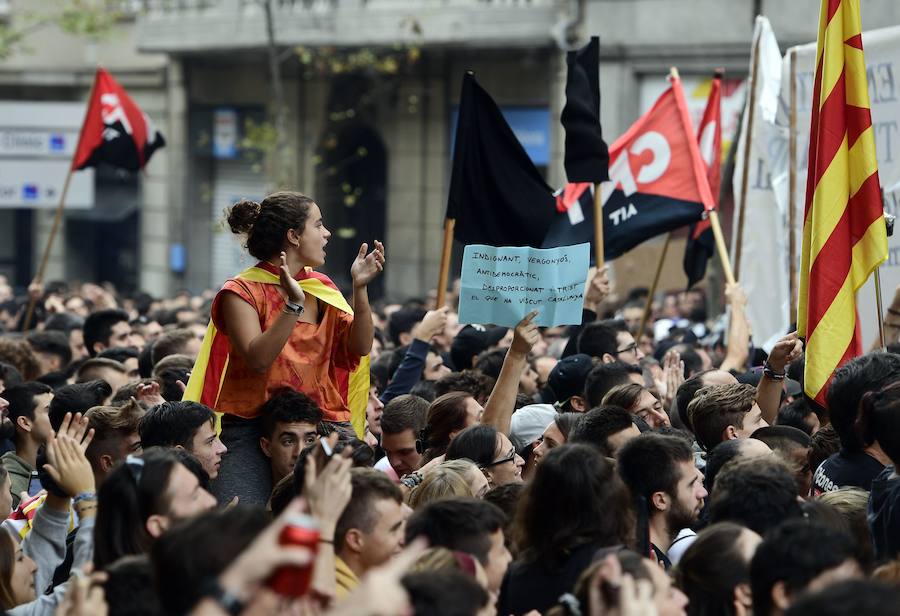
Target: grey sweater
[[46, 545]]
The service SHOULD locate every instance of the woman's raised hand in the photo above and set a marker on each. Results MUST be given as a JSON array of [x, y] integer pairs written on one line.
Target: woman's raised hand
[[289, 286], [367, 266]]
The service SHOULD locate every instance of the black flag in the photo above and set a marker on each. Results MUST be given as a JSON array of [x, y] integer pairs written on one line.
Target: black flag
[[497, 196], [587, 156]]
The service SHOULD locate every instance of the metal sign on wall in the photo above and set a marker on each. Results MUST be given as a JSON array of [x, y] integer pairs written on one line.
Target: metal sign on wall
[[37, 140]]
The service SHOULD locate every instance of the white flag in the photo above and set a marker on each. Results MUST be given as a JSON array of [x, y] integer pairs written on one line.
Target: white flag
[[762, 266]]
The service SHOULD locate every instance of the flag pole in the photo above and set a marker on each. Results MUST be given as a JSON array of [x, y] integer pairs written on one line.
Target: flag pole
[[598, 227], [880, 307], [57, 219], [751, 101], [648, 306], [443, 276], [792, 188]]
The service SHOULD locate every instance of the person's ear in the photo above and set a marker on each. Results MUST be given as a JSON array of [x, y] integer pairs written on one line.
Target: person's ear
[[608, 358], [106, 463], [178, 447], [578, 404], [354, 540], [23, 423], [264, 445], [156, 525], [293, 237], [660, 501], [729, 433], [781, 598]]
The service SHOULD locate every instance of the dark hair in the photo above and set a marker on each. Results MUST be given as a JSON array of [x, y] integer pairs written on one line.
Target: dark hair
[[288, 406], [174, 423], [625, 396], [369, 486], [119, 354], [445, 415], [169, 371], [477, 443], [716, 407], [598, 424], [721, 454], [795, 414], [795, 553], [424, 390], [282, 494], [9, 375], [850, 383], [77, 398], [823, 444], [52, 343], [686, 392], [194, 466], [758, 492], [266, 224], [601, 337], [21, 400], [130, 588], [63, 322], [193, 551], [604, 377], [491, 362], [574, 498], [568, 422], [867, 597], [879, 420], [711, 568], [461, 524], [472, 382], [402, 321], [145, 360], [649, 463], [124, 504], [98, 327], [171, 343], [90, 369], [444, 593], [782, 438], [403, 413]]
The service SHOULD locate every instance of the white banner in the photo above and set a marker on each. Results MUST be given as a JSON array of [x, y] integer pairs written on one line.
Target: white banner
[[762, 266], [882, 52]]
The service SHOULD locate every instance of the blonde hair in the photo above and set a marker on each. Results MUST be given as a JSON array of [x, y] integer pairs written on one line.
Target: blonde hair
[[440, 483]]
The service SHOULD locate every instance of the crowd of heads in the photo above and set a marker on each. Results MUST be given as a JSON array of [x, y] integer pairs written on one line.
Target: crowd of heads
[[497, 473]]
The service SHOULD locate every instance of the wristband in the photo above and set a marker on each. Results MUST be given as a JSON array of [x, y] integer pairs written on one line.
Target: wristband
[[292, 307], [213, 589], [84, 496], [772, 374]]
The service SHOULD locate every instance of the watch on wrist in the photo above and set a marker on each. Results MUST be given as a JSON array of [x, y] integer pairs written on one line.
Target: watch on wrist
[[227, 601], [292, 307]]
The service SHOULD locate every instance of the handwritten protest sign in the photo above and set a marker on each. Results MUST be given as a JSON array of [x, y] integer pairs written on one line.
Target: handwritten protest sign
[[501, 285]]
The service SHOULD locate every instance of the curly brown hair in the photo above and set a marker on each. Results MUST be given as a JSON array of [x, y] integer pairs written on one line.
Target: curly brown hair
[[18, 353], [266, 224]]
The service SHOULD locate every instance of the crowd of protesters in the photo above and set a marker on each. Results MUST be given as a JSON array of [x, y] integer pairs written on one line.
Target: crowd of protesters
[[613, 467]]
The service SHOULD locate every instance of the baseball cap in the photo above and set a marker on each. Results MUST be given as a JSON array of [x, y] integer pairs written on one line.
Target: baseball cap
[[529, 423], [473, 340], [568, 376]]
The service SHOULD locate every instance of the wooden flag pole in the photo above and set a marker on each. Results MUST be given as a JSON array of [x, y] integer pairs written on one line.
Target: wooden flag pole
[[720, 246], [648, 307], [792, 189], [443, 276], [598, 228], [32, 300], [739, 236]]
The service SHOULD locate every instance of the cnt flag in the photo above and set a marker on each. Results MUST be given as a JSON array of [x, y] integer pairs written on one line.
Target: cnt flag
[[701, 245], [115, 130], [844, 235], [657, 183], [497, 196], [586, 154]]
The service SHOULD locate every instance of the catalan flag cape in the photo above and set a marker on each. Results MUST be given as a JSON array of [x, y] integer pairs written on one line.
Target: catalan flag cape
[[212, 362], [844, 235]]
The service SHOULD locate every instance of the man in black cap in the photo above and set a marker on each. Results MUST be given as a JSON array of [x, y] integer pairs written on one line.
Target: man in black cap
[[472, 341], [565, 385]]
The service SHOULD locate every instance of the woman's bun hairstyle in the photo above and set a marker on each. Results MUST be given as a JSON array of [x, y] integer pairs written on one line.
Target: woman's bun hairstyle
[[242, 216]]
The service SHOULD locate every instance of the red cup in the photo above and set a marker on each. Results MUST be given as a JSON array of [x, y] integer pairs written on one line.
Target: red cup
[[301, 530]]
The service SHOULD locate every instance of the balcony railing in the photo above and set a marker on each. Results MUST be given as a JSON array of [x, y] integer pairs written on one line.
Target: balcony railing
[[186, 26]]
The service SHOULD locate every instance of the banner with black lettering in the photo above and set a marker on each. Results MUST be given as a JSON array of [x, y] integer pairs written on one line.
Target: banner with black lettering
[[657, 183]]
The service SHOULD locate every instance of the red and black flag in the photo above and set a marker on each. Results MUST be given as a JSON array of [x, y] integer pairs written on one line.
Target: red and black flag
[[586, 154], [657, 183], [115, 131], [497, 196], [701, 244]]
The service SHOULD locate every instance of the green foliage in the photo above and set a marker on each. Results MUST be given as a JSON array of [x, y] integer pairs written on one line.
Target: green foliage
[[93, 19]]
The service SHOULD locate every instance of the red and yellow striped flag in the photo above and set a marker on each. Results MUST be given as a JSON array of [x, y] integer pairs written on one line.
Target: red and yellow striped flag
[[844, 235]]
